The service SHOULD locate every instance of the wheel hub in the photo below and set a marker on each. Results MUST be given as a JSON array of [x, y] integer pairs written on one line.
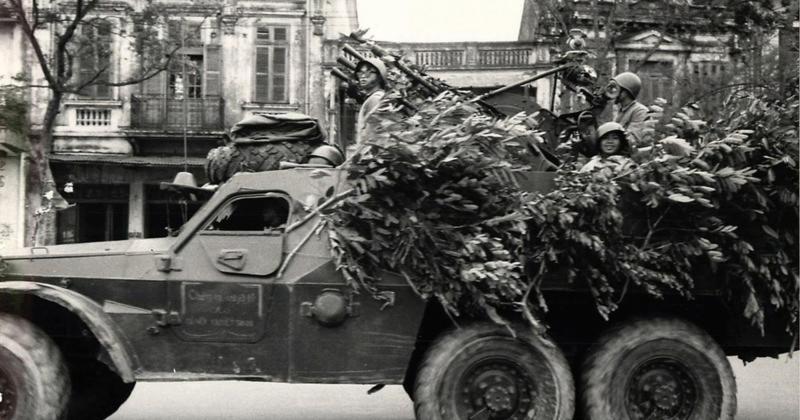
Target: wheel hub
[[497, 390], [498, 399], [8, 396], [661, 388]]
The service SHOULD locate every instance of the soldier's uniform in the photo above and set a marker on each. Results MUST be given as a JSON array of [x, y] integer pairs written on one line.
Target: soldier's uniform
[[367, 108], [632, 118], [373, 99], [633, 115]]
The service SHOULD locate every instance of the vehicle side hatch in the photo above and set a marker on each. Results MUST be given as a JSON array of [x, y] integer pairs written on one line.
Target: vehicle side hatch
[[246, 235]]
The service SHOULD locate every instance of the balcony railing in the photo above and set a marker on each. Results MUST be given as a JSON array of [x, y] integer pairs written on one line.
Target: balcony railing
[[508, 57], [162, 113], [440, 58], [446, 56]]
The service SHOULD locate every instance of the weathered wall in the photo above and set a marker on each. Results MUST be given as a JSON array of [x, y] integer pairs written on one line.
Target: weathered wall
[[12, 193]]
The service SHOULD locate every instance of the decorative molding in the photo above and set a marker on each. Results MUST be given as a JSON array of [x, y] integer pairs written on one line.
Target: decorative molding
[[252, 106], [318, 21], [97, 103]]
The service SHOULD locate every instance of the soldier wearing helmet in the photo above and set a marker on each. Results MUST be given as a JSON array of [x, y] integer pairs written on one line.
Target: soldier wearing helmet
[[371, 74], [326, 155], [631, 113], [613, 149]]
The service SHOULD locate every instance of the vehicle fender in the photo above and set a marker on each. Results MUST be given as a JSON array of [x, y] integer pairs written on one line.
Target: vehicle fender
[[91, 313]]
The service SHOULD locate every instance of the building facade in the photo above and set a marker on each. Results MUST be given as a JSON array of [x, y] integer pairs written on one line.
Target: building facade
[[12, 142], [114, 145], [683, 51]]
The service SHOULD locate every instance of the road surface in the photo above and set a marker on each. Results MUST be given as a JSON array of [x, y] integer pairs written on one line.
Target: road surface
[[768, 390]]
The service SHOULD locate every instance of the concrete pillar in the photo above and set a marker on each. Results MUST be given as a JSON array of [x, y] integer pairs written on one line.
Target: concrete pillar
[[136, 210]]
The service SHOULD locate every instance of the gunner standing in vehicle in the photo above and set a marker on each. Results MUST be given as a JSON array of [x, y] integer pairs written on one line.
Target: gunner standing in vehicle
[[613, 150], [371, 74], [631, 113]]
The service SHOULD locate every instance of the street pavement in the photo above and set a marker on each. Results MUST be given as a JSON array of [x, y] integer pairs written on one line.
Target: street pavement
[[768, 390]]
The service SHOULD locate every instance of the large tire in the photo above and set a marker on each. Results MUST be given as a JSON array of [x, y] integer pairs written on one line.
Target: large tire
[[34, 382], [225, 161], [97, 392], [657, 368], [481, 368], [217, 162]]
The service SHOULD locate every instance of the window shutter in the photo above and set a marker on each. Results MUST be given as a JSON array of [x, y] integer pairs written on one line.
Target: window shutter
[[279, 58], [271, 64], [174, 33], [262, 74], [155, 85], [212, 61], [104, 51]]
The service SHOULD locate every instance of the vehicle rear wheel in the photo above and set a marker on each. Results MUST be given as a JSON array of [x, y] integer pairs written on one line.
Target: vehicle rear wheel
[[482, 372], [97, 392], [657, 368], [34, 383]]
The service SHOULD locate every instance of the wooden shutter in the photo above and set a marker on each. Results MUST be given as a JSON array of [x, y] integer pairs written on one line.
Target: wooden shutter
[[211, 73], [155, 85], [174, 32], [279, 64], [262, 74], [104, 48]]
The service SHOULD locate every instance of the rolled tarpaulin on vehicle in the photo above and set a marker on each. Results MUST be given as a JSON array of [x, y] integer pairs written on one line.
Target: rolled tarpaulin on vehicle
[[266, 128]]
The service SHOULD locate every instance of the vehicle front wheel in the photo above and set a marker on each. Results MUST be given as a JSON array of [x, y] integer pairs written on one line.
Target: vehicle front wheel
[[657, 368], [34, 382], [481, 372]]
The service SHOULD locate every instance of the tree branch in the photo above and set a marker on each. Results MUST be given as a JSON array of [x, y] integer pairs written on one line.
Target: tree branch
[[28, 30], [91, 80], [69, 33]]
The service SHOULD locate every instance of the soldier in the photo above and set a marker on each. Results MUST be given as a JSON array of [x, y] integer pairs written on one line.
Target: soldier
[[326, 155], [631, 113], [371, 74], [613, 150]]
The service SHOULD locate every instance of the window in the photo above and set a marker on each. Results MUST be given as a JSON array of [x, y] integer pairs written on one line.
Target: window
[[252, 214], [186, 77], [94, 58], [657, 80], [194, 71], [185, 33], [100, 214], [271, 61]]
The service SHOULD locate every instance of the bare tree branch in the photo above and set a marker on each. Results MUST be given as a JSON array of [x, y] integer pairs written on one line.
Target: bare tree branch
[[28, 30]]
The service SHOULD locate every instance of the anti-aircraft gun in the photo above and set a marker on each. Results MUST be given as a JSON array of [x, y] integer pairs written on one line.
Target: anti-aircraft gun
[[570, 68]]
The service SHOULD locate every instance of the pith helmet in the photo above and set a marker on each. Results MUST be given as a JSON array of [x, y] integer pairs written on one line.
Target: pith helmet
[[608, 128], [329, 153], [630, 82], [378, 65]]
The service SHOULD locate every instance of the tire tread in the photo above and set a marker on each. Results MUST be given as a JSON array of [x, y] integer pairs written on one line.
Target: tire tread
[[46, 358], [596, 371]]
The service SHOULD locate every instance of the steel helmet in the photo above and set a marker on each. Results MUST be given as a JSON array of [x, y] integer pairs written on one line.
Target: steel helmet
[[378, 65], [630, 82], [330, 153], [608, 128]]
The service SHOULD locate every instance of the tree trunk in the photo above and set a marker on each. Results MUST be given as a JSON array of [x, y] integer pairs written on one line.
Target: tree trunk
[[40, 210]]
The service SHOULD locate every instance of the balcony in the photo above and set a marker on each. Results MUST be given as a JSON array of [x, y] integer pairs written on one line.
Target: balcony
[[469, 56], [166, 114]]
